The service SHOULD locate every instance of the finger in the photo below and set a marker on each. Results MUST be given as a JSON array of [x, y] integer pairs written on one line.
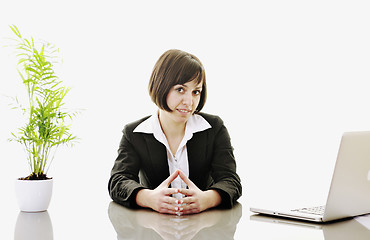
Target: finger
[[186, 179], [169, 191], [190, 208], [169, 208], [188, 200], [190, 211], [185, 191], [171, 200], [172, 177]]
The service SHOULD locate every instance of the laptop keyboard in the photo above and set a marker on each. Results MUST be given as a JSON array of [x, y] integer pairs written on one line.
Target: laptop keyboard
[[312, 210]]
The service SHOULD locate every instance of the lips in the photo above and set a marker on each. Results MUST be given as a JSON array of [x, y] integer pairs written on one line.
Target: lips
[[184, 110]]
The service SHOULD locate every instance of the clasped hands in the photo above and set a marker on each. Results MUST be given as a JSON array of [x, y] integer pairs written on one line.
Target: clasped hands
[[160, 199]]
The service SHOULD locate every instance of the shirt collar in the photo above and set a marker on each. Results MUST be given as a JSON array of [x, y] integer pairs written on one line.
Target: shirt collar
[[195, 123]]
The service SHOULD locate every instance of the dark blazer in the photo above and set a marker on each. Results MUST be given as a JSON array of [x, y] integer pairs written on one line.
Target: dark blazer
[[142, 163]]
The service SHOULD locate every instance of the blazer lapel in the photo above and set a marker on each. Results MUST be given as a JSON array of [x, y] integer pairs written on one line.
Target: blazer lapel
[[197, 150], [158, 160], [157, 155]]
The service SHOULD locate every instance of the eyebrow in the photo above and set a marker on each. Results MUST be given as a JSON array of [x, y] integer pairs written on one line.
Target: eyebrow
[[196, 88]]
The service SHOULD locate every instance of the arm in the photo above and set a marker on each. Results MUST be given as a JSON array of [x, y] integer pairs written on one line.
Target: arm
[[223, 167], [124, 181]]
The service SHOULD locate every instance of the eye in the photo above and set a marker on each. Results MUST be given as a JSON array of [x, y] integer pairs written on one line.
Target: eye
[[196, 92], [180, 89]]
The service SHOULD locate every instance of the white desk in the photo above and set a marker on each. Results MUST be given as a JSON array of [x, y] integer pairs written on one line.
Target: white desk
[[103, 219]]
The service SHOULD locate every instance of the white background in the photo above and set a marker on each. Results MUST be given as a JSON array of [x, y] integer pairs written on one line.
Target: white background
[[287, 77]]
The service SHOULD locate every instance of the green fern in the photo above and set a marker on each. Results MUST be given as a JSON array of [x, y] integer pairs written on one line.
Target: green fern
[[46, 127]]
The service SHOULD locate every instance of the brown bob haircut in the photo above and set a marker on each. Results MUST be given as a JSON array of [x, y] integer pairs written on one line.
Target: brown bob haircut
[[172, 68]]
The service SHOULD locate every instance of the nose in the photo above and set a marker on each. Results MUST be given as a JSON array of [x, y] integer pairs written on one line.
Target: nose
[[187, 99]]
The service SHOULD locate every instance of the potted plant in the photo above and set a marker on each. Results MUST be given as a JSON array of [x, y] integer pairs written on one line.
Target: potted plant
[[46, 127]]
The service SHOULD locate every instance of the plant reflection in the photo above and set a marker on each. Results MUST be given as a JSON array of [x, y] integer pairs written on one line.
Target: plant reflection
[[147, 224], [33, 225]]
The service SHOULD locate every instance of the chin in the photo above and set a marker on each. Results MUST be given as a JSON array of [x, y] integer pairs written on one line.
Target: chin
[[181, 118]]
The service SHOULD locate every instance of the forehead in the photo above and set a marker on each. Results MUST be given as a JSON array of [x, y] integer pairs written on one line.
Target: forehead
[[193, 84]]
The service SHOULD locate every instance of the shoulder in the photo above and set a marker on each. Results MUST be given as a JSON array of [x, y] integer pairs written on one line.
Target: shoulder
[[130, 127], [214, 120]]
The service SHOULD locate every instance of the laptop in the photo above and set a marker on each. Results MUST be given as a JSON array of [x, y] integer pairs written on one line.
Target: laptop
[[349, 193]]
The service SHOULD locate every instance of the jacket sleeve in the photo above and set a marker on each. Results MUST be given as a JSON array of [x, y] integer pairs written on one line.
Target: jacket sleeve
[[124, 182], [223, 168]]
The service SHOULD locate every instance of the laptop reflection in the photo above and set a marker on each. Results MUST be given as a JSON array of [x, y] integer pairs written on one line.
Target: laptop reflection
[[353, 228]]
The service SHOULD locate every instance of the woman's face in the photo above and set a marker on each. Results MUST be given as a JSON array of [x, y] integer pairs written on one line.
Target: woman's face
[[183, 100]]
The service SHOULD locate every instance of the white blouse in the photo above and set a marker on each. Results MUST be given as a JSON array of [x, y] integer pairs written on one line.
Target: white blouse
[[195, 123]]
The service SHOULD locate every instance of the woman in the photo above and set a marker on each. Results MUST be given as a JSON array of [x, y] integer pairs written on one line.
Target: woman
[[177, 161]]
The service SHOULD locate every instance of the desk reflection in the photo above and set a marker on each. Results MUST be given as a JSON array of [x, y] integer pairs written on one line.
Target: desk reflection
[[147, 224], [345, 229], [33, 226]]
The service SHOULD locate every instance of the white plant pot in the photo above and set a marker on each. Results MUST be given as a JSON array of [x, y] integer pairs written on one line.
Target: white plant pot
[[33, 195]]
